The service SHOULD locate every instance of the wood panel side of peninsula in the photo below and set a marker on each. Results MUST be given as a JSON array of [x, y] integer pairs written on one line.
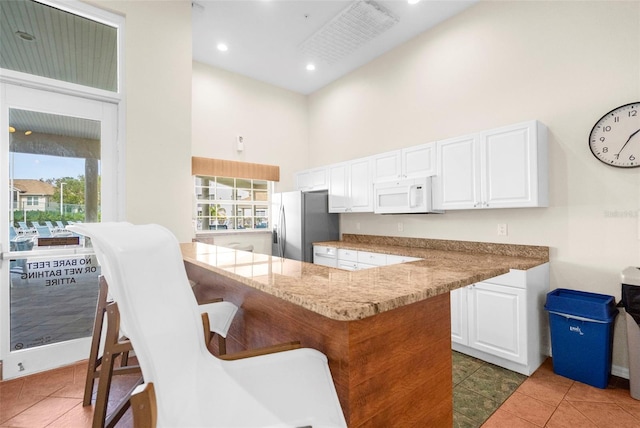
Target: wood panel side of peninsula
[[392, 369]]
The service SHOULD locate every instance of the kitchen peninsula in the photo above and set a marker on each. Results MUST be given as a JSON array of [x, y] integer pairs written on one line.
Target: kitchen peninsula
[[386, 331]]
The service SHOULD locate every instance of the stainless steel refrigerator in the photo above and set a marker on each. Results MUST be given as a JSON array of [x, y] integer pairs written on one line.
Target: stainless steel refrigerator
[[299, 219]]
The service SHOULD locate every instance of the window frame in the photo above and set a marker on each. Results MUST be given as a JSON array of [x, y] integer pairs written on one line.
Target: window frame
[[113, 181], [260, 208]]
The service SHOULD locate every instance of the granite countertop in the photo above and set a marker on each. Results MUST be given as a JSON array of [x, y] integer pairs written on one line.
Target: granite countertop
[[352, 295]]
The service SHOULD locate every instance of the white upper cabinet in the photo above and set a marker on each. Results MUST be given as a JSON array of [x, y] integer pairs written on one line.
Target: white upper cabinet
[[360, 185], [351, 187], [387, 166], [339, 188], [457, 185], [419, 161], [312, 179], [501, 168], [515, 161], [410, 162]]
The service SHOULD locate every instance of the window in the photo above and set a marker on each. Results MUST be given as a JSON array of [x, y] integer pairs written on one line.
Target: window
[[32, 200], [224, 203], [47, 41]]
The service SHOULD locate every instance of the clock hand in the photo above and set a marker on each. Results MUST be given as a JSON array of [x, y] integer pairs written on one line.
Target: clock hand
[[627, 142]]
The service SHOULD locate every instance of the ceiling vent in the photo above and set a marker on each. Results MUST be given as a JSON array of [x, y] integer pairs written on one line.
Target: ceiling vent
[[357, 24]]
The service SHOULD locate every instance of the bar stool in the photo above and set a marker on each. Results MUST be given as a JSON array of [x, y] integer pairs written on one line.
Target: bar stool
[[216, 317], [102, 366]]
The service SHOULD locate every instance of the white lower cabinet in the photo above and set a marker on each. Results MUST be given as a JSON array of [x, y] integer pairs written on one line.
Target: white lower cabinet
[[499, 332], [459, 315], [325, 256], [502, 320], [355, 260]]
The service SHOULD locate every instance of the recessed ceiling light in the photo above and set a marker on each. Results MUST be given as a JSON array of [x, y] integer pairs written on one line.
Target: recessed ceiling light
[[310, 67], [222, 47], [27, 132], [25, 36], [12, 129]]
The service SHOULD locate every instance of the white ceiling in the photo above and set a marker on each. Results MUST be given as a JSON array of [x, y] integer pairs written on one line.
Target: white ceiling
[[264, 36]]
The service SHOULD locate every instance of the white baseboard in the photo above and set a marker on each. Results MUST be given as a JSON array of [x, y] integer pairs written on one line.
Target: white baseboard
[[622, 372]]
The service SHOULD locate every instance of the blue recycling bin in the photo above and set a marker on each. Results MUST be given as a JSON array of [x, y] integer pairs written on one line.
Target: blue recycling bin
[[581, 334]]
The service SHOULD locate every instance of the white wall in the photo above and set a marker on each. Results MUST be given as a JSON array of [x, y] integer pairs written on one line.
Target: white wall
[[273, 121], [563, 63], [158, 116]]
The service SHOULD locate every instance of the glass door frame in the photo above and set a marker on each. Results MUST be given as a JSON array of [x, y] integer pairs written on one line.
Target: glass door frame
[[111, 113], [31, 360]]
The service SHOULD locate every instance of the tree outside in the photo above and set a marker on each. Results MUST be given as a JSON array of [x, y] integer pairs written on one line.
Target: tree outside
[[73, 189], [73, 196]]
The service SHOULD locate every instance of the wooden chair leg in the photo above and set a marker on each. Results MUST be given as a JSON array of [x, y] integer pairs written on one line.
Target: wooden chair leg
[[208, 334], [222, 345], [106, 366], [205, 327], [144, 407], [94, 360]]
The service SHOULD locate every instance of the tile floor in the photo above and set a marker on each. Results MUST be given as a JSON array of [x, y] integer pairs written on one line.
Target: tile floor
[[479, 388], [492, 397], [54, 399]]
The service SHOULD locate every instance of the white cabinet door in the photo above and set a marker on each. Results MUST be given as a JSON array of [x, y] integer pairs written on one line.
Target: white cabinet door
[[371, 259], [360, 185], [393, 259], [347, 265], [459, 316], [312, 179], [457, 185], [410, 162], [501, 168], [510, 176], [318, 178], [303, 180], [338, 188], [347, 255], [351, 187], [497, 320], [419, 161], [387, 166], [325, 256]]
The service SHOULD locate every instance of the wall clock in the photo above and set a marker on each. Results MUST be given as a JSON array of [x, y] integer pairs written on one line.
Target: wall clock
[[615, 138]]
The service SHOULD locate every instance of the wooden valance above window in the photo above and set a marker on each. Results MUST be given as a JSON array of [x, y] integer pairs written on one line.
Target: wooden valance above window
[[226, 168]]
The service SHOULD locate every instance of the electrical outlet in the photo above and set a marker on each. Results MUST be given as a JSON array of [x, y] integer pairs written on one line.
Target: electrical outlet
[[502, 229], [400, 227]]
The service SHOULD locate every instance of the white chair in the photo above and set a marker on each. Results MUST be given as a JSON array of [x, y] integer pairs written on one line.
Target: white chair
[[108, 344], [145, 271]]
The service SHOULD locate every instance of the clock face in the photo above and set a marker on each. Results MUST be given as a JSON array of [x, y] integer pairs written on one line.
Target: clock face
[[615, 138]]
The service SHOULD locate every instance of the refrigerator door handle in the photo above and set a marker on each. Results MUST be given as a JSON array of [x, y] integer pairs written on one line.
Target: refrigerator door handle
[[283, 231]]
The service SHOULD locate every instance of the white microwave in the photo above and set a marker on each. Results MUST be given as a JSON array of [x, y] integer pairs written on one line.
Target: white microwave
[[405, 196]]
